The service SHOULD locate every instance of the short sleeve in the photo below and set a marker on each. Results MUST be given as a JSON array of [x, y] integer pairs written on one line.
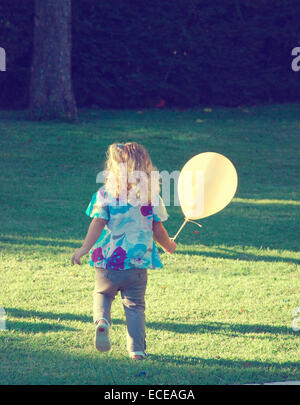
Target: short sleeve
[[98, 207], [159, 210]]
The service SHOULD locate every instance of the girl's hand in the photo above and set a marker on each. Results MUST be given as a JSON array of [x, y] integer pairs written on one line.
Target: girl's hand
[[78, 254], [172, 247]]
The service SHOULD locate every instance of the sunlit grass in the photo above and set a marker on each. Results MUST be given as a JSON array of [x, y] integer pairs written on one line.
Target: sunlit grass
[[280, 202], [220, 310]]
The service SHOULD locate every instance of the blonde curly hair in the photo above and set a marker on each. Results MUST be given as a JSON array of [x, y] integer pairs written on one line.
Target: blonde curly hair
[[131, 175]]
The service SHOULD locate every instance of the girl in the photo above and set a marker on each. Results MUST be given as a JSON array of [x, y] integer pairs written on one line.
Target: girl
[[127, 217]]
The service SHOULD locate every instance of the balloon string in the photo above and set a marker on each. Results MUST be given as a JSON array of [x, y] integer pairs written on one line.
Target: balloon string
[[184, 222], [179, 230], [194, 222]]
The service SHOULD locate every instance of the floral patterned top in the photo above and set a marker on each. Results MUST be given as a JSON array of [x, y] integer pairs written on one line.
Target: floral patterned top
[[127, 240]]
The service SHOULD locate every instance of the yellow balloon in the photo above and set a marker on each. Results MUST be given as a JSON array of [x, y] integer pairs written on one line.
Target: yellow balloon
[[206, 184]]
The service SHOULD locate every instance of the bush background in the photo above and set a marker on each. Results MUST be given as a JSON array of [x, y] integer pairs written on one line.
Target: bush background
[[186, 52]]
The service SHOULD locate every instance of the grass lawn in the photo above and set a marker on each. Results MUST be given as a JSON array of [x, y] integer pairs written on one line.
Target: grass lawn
[[220, 310]]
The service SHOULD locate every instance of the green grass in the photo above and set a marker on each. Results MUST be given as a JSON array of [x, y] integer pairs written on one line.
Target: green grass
[[220, 310]]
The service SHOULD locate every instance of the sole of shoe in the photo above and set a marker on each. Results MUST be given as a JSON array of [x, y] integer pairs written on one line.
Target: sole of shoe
[[102, 342]]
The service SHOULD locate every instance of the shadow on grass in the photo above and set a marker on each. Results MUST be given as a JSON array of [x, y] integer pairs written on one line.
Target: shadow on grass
[[219, 328], [235, 255], [36, 327], [21, 313], [256, 224], [259, 225], [212, 234], [206, 327], [51, 364], [11, 240]]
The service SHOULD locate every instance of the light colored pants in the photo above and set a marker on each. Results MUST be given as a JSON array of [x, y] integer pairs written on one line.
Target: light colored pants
[[132, 285]]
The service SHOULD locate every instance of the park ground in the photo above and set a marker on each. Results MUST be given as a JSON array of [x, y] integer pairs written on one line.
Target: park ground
[[219, 312]]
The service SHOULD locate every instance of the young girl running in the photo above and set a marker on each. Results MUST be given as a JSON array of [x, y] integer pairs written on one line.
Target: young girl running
[[127, 217]]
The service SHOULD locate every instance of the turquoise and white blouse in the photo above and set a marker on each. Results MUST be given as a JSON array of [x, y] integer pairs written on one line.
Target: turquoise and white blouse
[[127, 240]]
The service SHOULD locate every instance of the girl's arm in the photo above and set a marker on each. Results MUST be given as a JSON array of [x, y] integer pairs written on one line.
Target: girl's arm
[[96, 227], [160, 234]]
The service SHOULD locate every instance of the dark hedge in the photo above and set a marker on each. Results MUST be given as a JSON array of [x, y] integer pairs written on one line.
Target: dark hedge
[[134, 54]]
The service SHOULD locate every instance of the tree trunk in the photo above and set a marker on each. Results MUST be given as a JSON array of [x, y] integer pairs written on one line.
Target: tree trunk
[[51, 93]]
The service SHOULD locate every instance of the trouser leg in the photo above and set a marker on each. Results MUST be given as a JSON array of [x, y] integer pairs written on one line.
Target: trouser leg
[[134, 305], [103, 296]]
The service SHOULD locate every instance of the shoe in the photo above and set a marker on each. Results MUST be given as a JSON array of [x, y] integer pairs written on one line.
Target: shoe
[[137, 355], [102, 342]]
